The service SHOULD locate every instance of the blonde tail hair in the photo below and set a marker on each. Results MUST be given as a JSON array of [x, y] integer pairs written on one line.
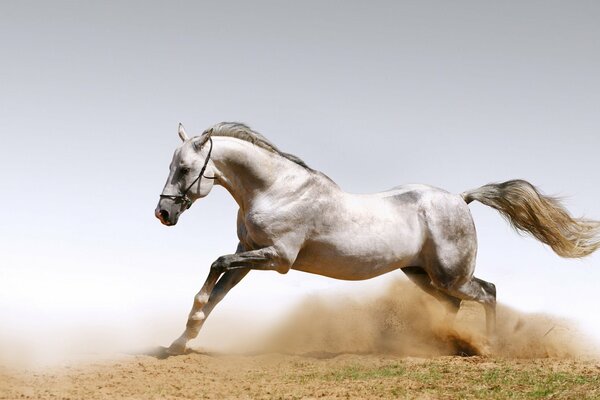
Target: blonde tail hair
[[544, 217]]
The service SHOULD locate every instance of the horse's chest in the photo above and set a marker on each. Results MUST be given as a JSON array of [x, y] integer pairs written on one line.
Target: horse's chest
[[263, 229]]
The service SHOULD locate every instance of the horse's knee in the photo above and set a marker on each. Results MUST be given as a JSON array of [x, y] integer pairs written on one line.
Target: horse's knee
[[219, 264]]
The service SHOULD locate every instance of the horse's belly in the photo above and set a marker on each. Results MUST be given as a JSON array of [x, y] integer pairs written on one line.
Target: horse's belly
[[355, 260], [346, 272]]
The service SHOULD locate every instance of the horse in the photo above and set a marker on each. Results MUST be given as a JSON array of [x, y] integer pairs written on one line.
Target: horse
[[294, 217]]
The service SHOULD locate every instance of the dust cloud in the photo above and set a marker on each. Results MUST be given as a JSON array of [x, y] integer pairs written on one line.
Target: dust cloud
[[403, 320], [398, 320]]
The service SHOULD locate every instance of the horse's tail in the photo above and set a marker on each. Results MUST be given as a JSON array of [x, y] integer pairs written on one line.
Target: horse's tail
[[544, 217]]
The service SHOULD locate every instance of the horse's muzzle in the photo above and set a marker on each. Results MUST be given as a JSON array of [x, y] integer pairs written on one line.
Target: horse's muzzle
[[163, 216]]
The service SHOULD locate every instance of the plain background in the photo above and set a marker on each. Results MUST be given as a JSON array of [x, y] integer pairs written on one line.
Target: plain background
[[374, 94]]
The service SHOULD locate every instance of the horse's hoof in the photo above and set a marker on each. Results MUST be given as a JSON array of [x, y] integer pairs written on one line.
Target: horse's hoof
[[176, 348]]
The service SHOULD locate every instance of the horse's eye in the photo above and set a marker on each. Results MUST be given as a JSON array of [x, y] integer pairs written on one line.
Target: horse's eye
[[184, 170]]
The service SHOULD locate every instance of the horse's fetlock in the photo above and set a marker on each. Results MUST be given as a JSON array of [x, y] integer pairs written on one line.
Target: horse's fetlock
[[201, 298], [192, 327], [198, 316]]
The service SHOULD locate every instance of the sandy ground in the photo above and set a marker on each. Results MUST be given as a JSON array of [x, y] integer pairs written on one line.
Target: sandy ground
[[384, 346], [274, 376]]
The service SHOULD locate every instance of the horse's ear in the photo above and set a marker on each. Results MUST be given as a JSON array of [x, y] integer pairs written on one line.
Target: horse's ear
[[182, 133]]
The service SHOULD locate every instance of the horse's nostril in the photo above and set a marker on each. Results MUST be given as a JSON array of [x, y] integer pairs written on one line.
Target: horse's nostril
[[164, 215]]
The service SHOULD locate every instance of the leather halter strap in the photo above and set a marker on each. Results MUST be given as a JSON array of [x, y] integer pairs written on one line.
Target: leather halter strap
[[183, 198]]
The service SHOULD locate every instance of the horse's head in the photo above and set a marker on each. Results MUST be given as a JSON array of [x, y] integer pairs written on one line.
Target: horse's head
[[190, 177]]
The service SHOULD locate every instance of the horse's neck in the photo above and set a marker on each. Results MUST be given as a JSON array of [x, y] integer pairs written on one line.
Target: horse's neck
[[247, 171]]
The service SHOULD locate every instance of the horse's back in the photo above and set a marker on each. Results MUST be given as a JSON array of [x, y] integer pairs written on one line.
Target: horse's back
[[429, 200]]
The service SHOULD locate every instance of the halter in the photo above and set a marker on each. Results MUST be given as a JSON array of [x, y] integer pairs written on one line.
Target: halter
[[183, 198]]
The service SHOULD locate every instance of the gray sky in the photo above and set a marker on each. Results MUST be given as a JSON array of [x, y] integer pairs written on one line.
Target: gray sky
[[374, 94]]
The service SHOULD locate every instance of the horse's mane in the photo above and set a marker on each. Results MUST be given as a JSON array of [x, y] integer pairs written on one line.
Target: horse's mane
[[243, 132]]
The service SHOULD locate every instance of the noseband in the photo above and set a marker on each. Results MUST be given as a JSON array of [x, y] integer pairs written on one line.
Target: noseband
[[183, 198]]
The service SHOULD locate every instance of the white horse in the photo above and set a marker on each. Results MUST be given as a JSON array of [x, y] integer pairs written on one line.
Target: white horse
[[293, 217]]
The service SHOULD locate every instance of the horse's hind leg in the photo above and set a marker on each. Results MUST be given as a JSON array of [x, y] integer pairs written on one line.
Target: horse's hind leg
[[490, 305], [477, 290], [419, 277], [449, 256]]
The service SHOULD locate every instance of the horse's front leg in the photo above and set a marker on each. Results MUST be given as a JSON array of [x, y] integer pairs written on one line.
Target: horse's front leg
[[204, 304], [265, 259], [231, 268]]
